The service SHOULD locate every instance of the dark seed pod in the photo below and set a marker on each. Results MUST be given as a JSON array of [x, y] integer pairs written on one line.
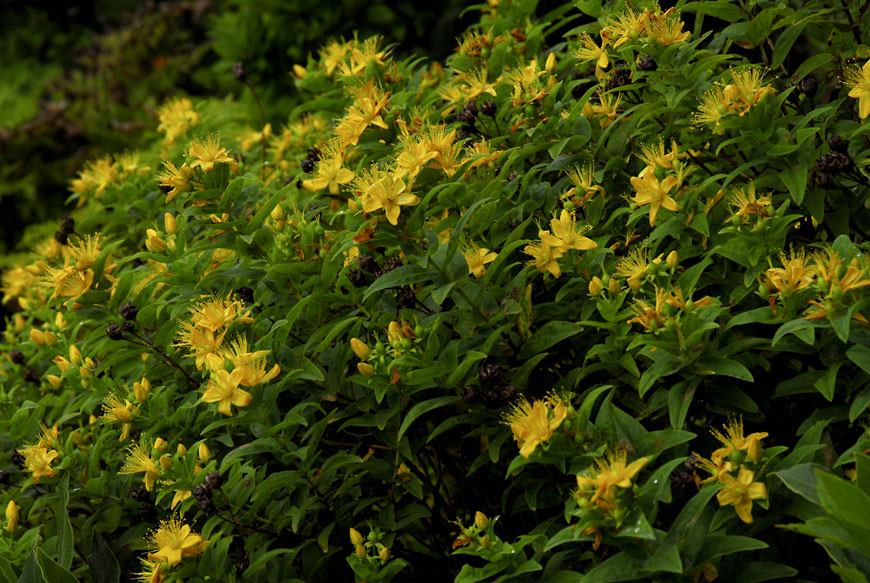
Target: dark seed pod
[[114, 332], [681, 479], [393, 263], [471, 107], [465, 116], [406, 297], [247, 294], [307, 165], [214, 480], [129, 311], [299, 184], [16, 356], [31, 375], [833, 163], [464, 133], [4, 477], [491, 399], [692, 461], [201, 491], [510, 392], [60, 237], [808, 86], [838, 144], [357, 278], [18, 459], [823, 180], [367, 263], [470, 394], [139, 493], [619, 78], [646, 63], [490, 373], [314, 153], [206, 505], [239, 71], [67, 224], [128, 327], [489, 108]]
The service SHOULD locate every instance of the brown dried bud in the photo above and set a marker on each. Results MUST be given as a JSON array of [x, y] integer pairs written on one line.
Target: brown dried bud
[[16, 356], [239, 71], [129, 311], [114, 332]]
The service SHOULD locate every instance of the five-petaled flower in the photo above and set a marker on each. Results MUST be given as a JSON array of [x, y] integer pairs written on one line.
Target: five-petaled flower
[[740, 492]]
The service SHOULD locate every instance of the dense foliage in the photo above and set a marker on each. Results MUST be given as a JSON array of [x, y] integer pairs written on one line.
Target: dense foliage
[[588, 301]]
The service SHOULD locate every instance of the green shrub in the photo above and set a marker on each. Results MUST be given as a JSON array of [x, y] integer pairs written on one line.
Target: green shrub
[[291, 352]]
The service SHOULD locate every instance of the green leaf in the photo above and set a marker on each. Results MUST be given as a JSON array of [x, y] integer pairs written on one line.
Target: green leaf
[[32, 572], [457, 376], [860, 355], [54, 572], [795, 179], [723, 366], [619, 567], [803, 329], [859, 404], [801, 479], [404, 275], [64, 528], [846, 502], [718, 545], [7, 572], [422, 408], [679, 399], [828, 382], [784, 43], [759, 571], [104, 565], [547, 335]]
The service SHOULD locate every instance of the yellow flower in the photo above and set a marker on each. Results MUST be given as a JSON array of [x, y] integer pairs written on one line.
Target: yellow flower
[[173, 541], [115, 411], [388, 193], [634, 267], [613, 473], [201, 343], [413, 156], [179, 497], [533, 423], [11, 516], [592, 52], [477, 258], [734, 440], [151, 572], [214, 313], [363, 113], [176, 117], [251, 364], [176, 179], [583, 180], [858, 80], [746, 204], [223, 388], [208, 152], [566, 235], [740, 492], [329, 172], [139, 461], [37, 461], [666, 29], [794, 275], [650, 317], [654, 193], [545, 257]]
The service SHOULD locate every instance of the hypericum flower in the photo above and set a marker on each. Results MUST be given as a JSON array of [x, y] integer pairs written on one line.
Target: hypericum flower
[[37, 461], [129, 164], [651, 317], [388, 193], [740, 492], [176, 179], [176, 117], [251, 364], [605, 110], [139, 461], [590, 51], [223, 388], [858, 80], [533, 423], [477, 258], [734, 440], [838, 276], [151, 572], [332, 55], [214, 313], [566, 235], [115, 411], [746, 204], [476, 83], [414, 155], [718, 468], [545, 257], [329, 172], [202, 344], [207, 152], [173, 541], [628, 25], [612, 474], [666, 29], [583, 179], [794, 275], [363, 113], [634, 267], [654, 193], [437, 139]]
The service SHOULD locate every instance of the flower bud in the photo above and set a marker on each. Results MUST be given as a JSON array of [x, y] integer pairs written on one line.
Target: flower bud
[[165, 462], [160, 444], [384, 554], [53, 380], [204, 453], [360, 551], [753, 450], [634, 283], [153, 242], [614, 286], [480, 520], [62, 363], [141, 390], [484, 541], [673, 259], [11, 516], [60, 321], [181, 450], [169, 224], [356, 537], [299, 71], [551, 63], [359, 348], [75, 355], [365, 369], [595, 286]]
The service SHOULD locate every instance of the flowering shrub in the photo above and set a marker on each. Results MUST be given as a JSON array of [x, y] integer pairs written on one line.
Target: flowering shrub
[[595, 286]]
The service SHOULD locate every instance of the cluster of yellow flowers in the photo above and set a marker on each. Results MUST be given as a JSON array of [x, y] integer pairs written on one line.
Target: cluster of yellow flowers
[[76, 277], [171, 542], [204, 335], [176, 117], [564, 235], [38, 456], [664, 171], [824, 271], [202, 154], [533, 424], [401, 339], [653, 317], [598, 491], [738, 97], [737, 453]]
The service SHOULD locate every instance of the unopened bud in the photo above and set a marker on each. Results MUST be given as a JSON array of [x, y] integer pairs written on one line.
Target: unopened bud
[[54, 380], [484, 541], [595, 286], [356, 537], [360, 349], [169, 224], [181, 450], [480, 520], [673, 259], [384, 554], [11, 516], [365, 369], [75, 355], [551, 63], [160, 444], [204, 453], [141, 390], [614, 286], [360, 551], [165, 462]]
